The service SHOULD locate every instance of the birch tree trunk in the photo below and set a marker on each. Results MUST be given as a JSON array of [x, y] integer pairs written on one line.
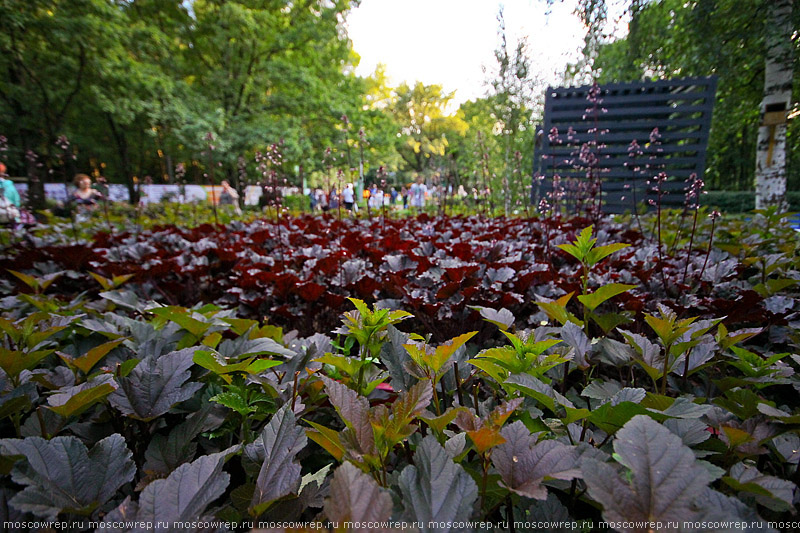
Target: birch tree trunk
[[771, 147]]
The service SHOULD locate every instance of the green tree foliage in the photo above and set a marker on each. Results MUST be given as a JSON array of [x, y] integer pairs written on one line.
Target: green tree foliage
[[50, 51], [426, 128], [138, 84], [513, 89], [726, 38]]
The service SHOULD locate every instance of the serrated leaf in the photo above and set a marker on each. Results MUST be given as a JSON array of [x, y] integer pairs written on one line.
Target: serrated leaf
[[574, 336], [155, 385], [665, 479], [165, 453], [233, 400], [186, 493], [354, 411], [123, 298], [355, 497], [435, 490], [282, 439], [691, 431], [603, 293], [485, 438], [328, 439], [524, 464], [772, 492], [394, 355], [411, 403], [244, 347], [61, 475]]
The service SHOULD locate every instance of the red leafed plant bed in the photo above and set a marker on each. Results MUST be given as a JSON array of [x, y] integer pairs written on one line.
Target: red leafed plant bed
[[298, 273]]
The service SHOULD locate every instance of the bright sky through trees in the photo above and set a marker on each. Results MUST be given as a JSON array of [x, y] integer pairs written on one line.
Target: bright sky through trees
[[448, 42]]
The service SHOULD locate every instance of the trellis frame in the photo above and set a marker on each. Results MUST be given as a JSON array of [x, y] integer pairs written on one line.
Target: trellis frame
[[681, 109]]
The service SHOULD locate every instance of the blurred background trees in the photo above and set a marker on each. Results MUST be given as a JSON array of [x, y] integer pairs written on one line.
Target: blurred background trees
[[135, 86]]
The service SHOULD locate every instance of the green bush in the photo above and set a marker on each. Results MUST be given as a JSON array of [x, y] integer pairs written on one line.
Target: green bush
[[297, 202], [742, 201]]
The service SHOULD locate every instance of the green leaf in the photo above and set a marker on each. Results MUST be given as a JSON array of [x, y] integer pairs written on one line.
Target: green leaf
[[439, 423], [182, 317], [85, 362], [60, 475], [572, 250], [15, 361], [342, 363], [435, 489], [611, 418], [233, 400], [260, 365], [592, 301], [557, 310], [327, 438], [601, 252], [72, 401], [494, 370], [665, 479]]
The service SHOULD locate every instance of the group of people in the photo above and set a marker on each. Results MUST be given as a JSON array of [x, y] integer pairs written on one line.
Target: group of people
[[374, 197], [84, 199]]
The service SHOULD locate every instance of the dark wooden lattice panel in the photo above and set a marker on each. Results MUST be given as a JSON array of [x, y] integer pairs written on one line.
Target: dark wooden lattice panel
[[624, 112]]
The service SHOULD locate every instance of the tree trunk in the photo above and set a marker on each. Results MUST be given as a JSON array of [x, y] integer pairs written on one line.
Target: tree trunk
[[771, 147], [124, 158]]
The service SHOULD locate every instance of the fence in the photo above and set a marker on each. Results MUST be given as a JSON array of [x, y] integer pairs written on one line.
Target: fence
[[589, 134]]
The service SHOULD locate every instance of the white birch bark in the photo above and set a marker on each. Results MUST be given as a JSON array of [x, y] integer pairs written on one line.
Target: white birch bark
[[771, 148]]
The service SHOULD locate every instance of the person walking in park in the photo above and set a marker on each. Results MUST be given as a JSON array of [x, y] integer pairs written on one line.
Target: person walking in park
[[85, 196], [9, 199], [349, 197], [417, 193], [229, 196]]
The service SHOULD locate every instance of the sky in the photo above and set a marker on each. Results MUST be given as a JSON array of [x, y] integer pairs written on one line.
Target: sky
[[448, 42]]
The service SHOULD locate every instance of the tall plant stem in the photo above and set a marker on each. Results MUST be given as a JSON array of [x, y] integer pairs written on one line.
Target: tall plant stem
[[691, 244], [484, 478], [459, 395], [666, 369], [660, 257], [708, 250]]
